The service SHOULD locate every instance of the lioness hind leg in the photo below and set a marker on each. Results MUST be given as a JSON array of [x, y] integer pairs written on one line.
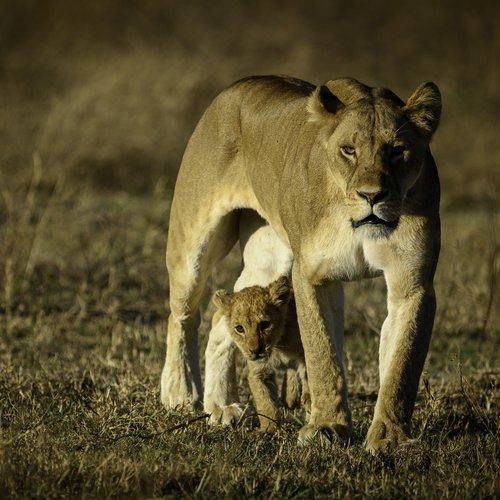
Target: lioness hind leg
[[195, 245]]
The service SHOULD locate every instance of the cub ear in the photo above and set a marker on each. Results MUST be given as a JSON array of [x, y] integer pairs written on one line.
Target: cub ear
[[280, 291], [222, 300], [423, 109]]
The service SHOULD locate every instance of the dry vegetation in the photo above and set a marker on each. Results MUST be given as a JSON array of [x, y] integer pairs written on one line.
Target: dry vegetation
[[96, 105]]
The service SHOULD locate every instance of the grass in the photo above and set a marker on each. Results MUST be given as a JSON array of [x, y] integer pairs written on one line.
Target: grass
[[81, 417], [95, 109], [81, 349]]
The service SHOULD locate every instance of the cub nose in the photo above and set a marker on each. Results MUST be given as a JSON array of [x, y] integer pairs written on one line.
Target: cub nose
[[255, 352], [372, 197]]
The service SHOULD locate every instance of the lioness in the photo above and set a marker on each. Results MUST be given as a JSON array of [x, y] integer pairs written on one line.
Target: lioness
[[263, 324], [344, 175]]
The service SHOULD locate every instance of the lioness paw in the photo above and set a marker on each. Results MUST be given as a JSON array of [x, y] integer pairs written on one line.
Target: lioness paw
[[384, 436], [177, 390], [229, 415], [325, 435]]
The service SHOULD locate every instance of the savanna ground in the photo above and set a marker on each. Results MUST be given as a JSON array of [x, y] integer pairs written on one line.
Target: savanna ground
[[96, 105]]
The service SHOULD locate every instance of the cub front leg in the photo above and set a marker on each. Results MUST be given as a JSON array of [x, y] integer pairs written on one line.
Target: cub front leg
[[291, 390], [295, 391], [322, 340], [305, 397], [261, 379]]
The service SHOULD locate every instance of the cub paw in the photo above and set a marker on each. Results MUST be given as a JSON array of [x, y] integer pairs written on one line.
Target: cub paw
[[306, 401], [229, 415], [325, 435], [384, 436], [267, 426]]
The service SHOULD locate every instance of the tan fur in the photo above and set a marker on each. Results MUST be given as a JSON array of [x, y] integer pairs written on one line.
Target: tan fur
[[263, 325], [344, 176]]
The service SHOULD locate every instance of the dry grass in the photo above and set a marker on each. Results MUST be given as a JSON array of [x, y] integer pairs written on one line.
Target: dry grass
[[82, 344], [96, 104]]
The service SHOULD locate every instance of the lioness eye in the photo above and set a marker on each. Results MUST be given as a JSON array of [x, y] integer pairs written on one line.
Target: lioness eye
[[348, 150], [239, 329], [397, 152], [264, 325]]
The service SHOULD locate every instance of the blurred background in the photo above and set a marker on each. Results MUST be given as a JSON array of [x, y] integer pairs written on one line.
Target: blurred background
[[98, 99], [109, 90]]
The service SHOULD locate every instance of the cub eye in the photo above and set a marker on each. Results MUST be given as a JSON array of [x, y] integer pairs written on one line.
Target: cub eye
[[397, 152], [264, 325], [239, 329], [348, 150]]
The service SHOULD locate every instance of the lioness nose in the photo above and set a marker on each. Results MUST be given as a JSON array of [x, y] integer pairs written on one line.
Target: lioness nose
[[373, 197]]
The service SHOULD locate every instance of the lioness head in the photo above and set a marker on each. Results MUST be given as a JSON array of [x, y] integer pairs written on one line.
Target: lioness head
[[256, 316], [376, 144]]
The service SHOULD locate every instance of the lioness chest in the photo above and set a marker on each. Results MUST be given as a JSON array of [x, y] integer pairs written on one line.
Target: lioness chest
[[335, 252]]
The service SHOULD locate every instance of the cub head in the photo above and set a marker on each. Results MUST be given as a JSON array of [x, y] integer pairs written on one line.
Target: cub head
[[376, 145], [256, 316]]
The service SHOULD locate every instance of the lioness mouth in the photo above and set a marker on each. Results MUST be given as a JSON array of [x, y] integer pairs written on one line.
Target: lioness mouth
[[373, 219]]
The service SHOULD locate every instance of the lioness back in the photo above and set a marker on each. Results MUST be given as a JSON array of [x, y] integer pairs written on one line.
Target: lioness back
[[238, 112]]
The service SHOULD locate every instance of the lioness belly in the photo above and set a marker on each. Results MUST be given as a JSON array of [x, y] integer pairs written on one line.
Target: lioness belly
[[265, 255]]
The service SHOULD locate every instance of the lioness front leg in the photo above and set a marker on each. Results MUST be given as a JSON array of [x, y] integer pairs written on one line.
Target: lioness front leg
[[404, 343], [325, 373], [261, 379]]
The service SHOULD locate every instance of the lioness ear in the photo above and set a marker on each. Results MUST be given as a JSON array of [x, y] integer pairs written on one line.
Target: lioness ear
[[222, 300], [321, 103], [280, 291], [424, 109], [334, 95]]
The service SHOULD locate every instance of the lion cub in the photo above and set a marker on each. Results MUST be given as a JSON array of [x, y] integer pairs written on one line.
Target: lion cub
[[263, 325]]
